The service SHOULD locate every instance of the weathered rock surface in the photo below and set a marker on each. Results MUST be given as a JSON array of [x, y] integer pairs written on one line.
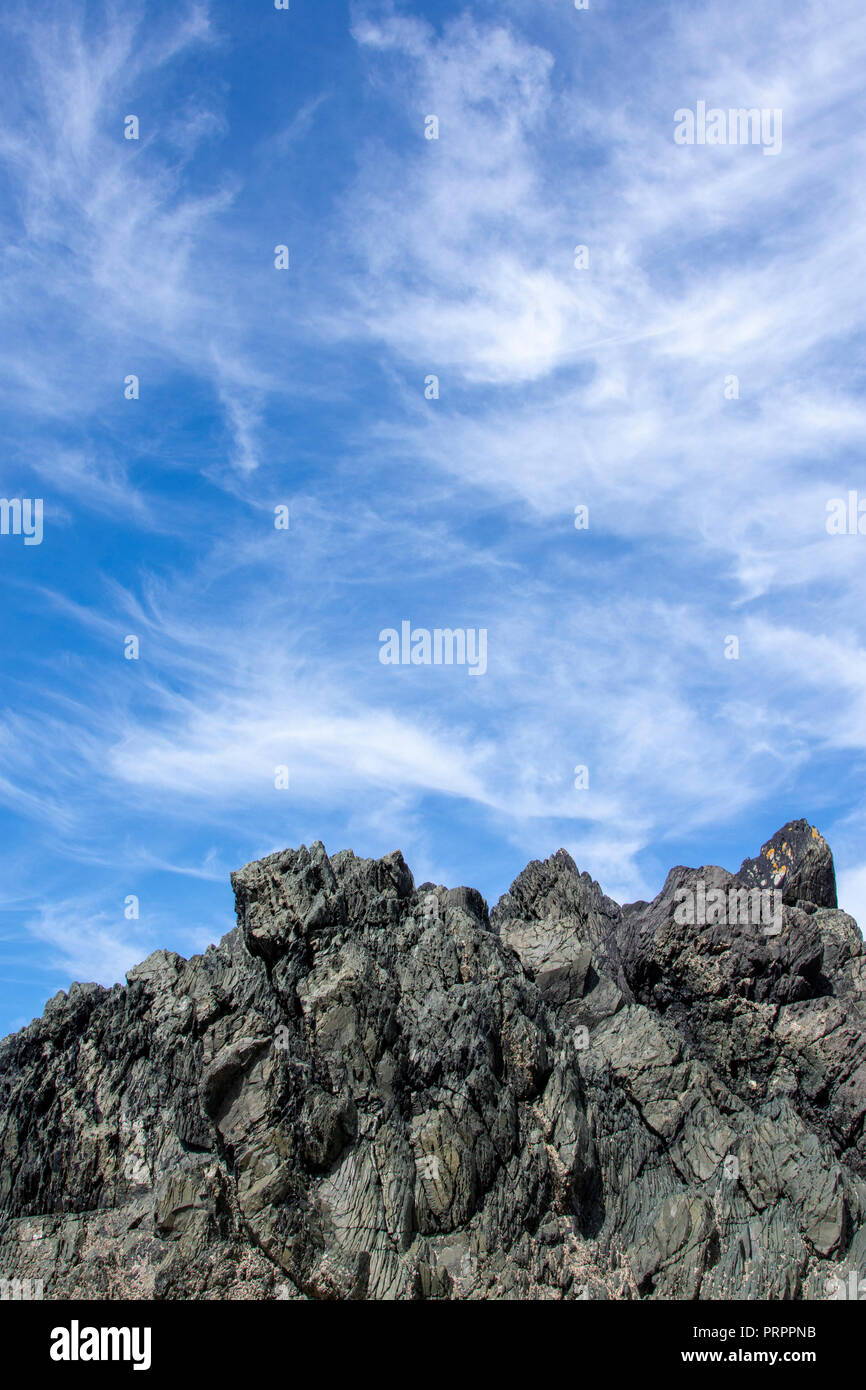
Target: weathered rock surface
[[369, 1090]]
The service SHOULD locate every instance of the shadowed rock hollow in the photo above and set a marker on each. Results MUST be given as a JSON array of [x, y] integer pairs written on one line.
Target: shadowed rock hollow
[[369, 1090]]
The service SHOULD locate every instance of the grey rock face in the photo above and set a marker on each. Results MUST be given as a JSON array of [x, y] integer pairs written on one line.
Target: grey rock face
[[369, 1090]]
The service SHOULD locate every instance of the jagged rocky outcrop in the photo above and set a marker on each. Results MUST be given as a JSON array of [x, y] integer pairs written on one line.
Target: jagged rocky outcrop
[[373, 1090]]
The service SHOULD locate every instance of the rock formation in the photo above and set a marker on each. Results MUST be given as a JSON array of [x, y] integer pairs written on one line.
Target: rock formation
[[373, 1090]]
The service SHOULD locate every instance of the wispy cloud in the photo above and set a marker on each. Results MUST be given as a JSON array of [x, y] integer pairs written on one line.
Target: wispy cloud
[[608, 386]]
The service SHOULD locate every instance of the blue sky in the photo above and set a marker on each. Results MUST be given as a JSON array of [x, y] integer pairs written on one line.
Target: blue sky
[[559, 387]]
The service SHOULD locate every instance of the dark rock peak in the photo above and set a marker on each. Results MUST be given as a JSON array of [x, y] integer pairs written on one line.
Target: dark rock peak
[[799, 862]]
